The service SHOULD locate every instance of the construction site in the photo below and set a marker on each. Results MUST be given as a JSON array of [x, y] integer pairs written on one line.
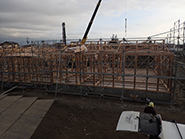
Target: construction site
[[49, 89], [130, 69]]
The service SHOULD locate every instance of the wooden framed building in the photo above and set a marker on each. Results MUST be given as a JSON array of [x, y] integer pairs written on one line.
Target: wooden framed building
[[134, 65]]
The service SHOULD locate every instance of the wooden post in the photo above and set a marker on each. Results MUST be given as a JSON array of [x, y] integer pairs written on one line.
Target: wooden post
[[165, 66], [94, 70], [51, 71], [19, 70], [42, 68], [9, 68], [113, 67], [25, 69], [72, 63], [159, 73], [76, 68], [83, 65], [99, 65], [155, 66], [29, 69], [86, 64], [106, 62], [32, 64], [118, 65], [60, 69], [135, 69], [13, 69], [90, 62]]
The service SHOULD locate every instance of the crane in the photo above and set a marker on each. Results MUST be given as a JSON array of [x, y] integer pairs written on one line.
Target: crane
[[90, 23]]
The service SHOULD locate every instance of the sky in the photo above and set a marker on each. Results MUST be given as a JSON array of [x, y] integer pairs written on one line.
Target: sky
[[42, 19]]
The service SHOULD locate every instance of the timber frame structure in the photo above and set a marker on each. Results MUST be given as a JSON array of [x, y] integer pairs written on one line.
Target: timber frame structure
[[144, 68]]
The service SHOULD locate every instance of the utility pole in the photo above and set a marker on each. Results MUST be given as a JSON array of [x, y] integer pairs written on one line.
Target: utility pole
[[125, 27], [63, 33], [27, 40], [184, 34]]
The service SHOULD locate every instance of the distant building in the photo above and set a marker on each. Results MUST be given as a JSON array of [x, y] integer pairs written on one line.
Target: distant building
[[7, 44]]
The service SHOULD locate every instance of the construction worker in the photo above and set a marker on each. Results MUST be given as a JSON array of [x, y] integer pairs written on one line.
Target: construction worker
[[150, 109]]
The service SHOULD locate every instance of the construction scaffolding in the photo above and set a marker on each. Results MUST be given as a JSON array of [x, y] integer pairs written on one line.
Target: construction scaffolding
[[139, 68]]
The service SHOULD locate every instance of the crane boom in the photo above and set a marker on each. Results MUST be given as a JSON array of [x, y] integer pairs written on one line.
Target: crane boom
[[90, 23]]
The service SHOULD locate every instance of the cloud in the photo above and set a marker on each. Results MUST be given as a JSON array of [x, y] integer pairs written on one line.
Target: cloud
[[41, 19], [28, 17]]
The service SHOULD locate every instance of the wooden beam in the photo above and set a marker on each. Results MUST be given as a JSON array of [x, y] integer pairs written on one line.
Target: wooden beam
[[85, 79]]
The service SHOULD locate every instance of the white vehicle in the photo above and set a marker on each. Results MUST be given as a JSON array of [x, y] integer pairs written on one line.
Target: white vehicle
[[150, 124]]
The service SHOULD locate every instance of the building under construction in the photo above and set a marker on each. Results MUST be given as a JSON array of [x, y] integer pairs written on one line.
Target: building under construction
[[128, 69]]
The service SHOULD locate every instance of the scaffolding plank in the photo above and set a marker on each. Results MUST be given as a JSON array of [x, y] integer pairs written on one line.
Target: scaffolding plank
[[24, 127], [2, 96], [12, 113], [7, 101]]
